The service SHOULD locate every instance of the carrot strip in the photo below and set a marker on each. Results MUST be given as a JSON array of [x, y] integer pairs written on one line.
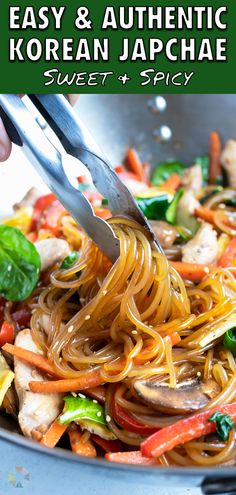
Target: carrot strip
[[92, 379], [80, 447], [132, 457], [53, 434], [215, 151], [183, 431], [228, 257], [107, 445], [173, 182], [191, 271], [31, 358], [134, 163], [205, 214]]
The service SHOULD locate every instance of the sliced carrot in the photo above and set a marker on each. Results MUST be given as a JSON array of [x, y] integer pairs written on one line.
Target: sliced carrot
[[119, 169], [173, 182], [31, 358], [80, 447], [183, 431], [53, 434], [215, 151], [102, 213], [92, 379], [132, 457], [205, 214], [175, 338], [146, 173], [135, 164], [191, 271]]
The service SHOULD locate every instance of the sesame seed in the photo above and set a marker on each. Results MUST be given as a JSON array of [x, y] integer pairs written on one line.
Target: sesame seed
[[82, 396], [87, 317], [150, 326], [206, 269], [70, 329], [104, 292], [74, 394], [60, 359], [134, 332], [95, 401], [108, 418], [99, 414], [199, 373]]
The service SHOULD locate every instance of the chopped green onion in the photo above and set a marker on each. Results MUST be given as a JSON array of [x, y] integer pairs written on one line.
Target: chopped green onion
[[171, 211], [82, 408], [224, 424], [70, 260]]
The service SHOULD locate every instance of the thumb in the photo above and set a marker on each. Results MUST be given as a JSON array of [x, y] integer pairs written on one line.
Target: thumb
[[5, 143]]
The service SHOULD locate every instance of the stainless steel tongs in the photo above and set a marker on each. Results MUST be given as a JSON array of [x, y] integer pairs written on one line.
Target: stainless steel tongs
[[77, 141]]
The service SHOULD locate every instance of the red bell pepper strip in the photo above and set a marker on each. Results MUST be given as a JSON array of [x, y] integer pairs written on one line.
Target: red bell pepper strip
[[7, 333], [132, 457], [183, 431], [107, 445], [126, 420], [40, 205], [53, 215], [229, 256]]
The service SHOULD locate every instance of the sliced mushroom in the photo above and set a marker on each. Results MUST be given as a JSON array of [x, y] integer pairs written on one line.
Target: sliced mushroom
[[187, 397], [165, 232]]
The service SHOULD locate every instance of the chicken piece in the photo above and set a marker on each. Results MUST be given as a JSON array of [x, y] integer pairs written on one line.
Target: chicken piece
[[228, 161], [52, 251], [203, 248], [192, 178], [36, 411], [185, 211], [28, 200], [165, 232]]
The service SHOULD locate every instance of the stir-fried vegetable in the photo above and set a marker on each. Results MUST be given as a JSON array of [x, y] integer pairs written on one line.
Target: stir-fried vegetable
[[155, 208], [6, 377], [230, 340], [7, 333], [171, 211], [224, 424], [228, 258], [31, 358], [82, 408], [164, 170], [92, 379], [79, 445], [19, 264], [70, 260], [53, 434], [183, 431]]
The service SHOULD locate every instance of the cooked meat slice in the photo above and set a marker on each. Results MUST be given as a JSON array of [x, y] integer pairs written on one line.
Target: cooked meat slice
[[203, 248], [52, 251], [165, 232], [36, 411], [192, 178], [29, 199], [228, 161]]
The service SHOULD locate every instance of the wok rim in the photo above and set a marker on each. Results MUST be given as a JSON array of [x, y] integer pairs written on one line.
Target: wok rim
[[64, 455]]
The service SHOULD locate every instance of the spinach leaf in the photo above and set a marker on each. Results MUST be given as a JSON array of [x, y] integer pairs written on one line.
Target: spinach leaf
[[70, 260], [164, 170], [19, 264]]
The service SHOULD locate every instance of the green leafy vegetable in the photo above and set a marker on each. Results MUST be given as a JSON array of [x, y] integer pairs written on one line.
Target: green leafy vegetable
[[70, 260], [184, 234], [171, 211], [19, 264], [154, 208], [82, 408], [164, 170], [104, 201], [230, 340], [224, 424], [203, 161]]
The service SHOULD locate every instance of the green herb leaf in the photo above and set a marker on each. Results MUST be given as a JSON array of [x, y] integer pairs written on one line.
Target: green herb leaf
[[154, 208], [229, 341], [19, 264], [79, 408], [224, 424], [164, 170], [70, 260]]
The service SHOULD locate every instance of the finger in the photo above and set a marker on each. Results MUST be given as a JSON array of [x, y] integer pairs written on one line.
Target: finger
[[73, 99], [5, 143]]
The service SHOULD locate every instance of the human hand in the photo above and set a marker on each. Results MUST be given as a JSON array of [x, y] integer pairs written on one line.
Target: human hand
[[5, 143]]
